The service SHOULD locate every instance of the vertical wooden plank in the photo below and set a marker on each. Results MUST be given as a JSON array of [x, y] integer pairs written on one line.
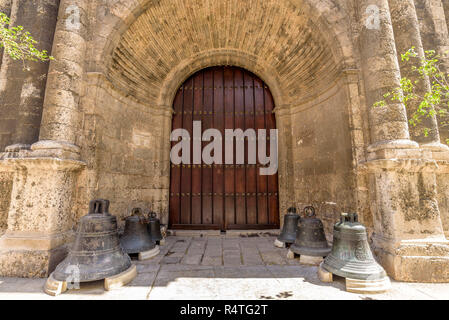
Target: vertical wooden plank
[[240, 177], [175, 175], [196, 168], [186, 170], [251, 177], [262, 181], [229, 169], [207, 121], [219, 125]]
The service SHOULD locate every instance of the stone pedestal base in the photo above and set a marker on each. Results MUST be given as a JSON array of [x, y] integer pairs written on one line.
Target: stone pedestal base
[[358, 286], [30, 263], [161, 242], [415, 261], [40, 217], [303, 259], [279, 244], [149, 254]]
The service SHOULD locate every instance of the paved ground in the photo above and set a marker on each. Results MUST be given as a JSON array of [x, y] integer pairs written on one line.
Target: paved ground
[[221, 268]]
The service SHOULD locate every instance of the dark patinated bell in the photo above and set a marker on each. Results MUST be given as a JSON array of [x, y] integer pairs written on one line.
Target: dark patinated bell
[[310, 237], [351, 256], [288, 234], [136, 238], [96, 253], [154, 227]]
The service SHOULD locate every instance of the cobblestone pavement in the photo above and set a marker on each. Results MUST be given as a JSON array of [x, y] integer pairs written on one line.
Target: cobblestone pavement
[[221, 268]]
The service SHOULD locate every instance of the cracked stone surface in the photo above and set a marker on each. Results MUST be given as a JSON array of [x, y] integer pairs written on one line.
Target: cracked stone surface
[[221, 268]]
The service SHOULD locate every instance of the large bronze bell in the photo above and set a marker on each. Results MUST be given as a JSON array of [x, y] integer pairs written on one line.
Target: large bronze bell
[[288, 234], [96, 253], [351, 256], [310, 238], [154, 227], [136, 238]]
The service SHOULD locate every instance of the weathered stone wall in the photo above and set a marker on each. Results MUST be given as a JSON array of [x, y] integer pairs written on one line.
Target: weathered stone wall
[[122, 145], [322, 151]]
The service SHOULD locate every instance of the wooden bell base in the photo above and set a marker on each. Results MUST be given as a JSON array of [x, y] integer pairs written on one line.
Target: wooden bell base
[[149, 254], [303, 259], [358, 286], [121, 279], [161, 242], [280, 244], [55, 287]]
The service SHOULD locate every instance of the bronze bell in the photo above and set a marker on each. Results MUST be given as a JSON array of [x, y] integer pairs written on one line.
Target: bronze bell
[[288, 234], [310, 237], [136, 238], [351, 256], [154, 227], [96, 253]]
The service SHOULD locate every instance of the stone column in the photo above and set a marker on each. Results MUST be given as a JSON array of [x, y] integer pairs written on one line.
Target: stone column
[[389, 126], [434, 30], [40, 218], [61, 116], [408, 235], [22, 91], [5, 7], [407, 35]]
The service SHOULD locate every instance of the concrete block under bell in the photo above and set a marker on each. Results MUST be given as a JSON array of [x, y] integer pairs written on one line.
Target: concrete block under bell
[[121, 279], [149, 254]]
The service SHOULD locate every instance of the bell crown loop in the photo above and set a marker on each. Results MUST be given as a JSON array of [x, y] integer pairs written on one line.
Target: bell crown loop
[[349, 218], [99, 206], [292, 210], [309, 212]]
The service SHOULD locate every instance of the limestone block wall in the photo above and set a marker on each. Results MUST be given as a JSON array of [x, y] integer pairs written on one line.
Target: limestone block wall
[[5, 198], [322, 155], [122, 144], [443, 200]]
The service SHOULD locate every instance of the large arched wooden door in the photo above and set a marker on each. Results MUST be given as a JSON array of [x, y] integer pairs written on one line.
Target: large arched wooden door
[[223, 197]]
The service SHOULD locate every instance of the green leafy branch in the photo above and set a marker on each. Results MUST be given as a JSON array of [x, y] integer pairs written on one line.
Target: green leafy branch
[[19, 44], [434, 102]]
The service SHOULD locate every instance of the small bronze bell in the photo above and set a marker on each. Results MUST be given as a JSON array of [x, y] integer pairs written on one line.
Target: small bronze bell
[[136, 238], [96, 253], [310, 238], [351, 256], [288, 234], [154, 227]]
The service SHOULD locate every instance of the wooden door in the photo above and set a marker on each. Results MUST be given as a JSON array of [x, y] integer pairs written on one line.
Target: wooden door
[[223, 197]]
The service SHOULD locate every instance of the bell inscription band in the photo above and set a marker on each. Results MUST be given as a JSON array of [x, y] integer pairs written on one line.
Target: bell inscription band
[[136, 238], [96, 254], [310, 244], [288, 234], [351, 258]]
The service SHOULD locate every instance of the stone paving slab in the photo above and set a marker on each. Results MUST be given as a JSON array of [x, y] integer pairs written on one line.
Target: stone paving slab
[[221, 268]]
